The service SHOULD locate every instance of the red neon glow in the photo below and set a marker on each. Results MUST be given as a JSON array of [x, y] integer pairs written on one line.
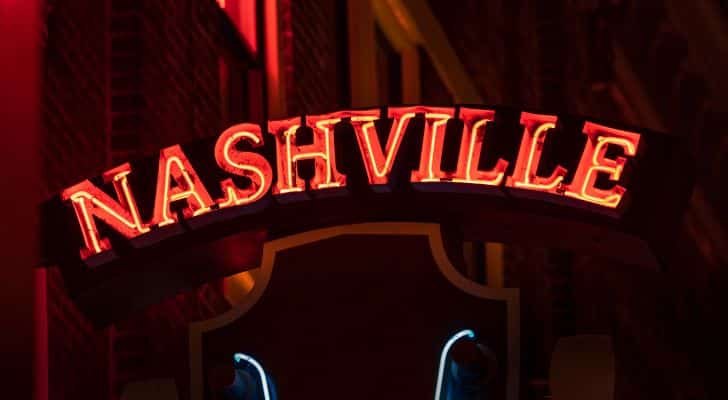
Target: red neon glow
[[471, 145], [321, 151], [174, 167], [536, 128], [378, 163], [247, 164], [40, 350], [433, 137], [593, 163], [282, 129], [88, 202], [323, 131], [177, 180], [272, 59], [247, 24], [242, 13]]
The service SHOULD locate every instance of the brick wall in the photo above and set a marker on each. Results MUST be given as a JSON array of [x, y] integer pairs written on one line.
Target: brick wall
[[129, 77], [318, 81], [78, 351], [182, 44], [180, 71], [74, 97], [496, 43], [162, 87], [75, 145], [560, 58], [154, 344], [682, 327], [122, 79], [683, 95]]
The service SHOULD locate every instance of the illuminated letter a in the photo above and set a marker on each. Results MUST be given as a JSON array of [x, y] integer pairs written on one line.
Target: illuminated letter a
[[174, 167]]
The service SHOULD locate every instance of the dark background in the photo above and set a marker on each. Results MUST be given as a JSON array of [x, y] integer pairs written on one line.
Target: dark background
[[119, 79]]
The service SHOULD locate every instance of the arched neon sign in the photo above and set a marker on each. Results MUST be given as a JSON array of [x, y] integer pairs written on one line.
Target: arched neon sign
[[596, 179]]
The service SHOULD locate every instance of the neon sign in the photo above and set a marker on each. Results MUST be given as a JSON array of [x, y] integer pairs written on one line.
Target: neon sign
[[596, 180]]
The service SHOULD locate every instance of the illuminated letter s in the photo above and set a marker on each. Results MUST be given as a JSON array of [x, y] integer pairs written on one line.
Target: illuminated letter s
[[246, 164]]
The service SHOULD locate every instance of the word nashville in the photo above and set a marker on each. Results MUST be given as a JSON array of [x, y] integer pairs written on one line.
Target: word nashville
[[178, 183]]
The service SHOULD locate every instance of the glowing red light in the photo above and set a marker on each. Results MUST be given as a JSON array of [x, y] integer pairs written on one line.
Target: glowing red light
[[90, 202], [474, 134], [177, 181], [174, 167], [321, 151], [246, 164], [536, 127], [593, 162]]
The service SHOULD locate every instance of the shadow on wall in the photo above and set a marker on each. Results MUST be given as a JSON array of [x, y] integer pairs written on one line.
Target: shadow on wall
[[582, 367], [156, 389]]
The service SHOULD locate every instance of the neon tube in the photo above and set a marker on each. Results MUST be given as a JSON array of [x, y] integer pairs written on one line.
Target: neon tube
[[443, 357], [263, 377]]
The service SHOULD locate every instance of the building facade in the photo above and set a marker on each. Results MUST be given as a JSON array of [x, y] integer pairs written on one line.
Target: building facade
[[122, 79]]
